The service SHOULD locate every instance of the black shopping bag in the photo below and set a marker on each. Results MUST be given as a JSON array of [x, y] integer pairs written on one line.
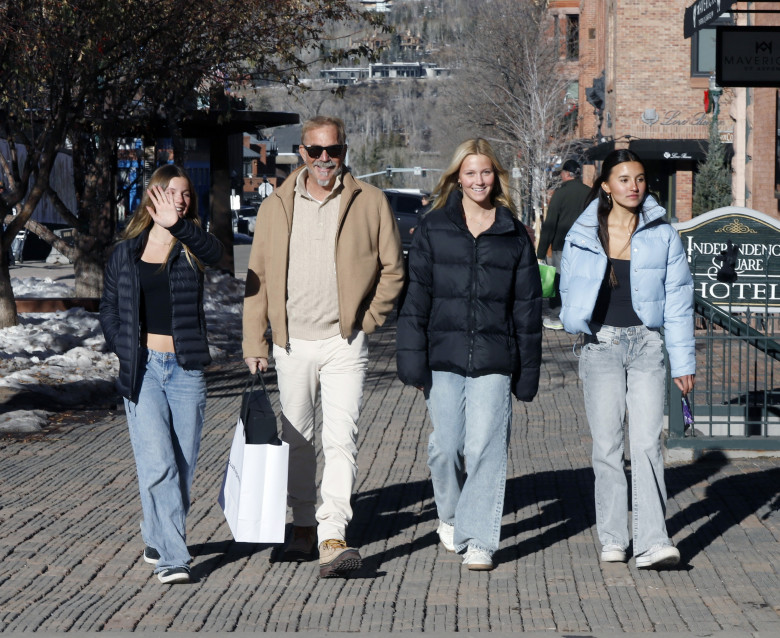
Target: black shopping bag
[[257, 415]]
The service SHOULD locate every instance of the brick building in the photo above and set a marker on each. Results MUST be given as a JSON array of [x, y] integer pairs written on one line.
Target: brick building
[[641, 85]]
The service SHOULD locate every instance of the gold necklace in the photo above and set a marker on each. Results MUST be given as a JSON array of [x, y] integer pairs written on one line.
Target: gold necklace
[[162, 243]]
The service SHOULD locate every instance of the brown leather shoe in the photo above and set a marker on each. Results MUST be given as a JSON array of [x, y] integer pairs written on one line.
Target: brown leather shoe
[[336, 559], [302, 543]]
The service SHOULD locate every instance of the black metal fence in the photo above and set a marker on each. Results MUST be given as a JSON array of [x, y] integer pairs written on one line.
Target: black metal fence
[[736, 404]]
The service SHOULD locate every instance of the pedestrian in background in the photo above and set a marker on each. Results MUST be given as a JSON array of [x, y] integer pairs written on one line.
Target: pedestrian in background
[[324, 271], [624, 277], [566, 205], [151, 313], [469, 335]]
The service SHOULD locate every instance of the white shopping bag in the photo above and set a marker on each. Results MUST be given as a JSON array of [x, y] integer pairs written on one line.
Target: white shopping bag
[[254, 490]]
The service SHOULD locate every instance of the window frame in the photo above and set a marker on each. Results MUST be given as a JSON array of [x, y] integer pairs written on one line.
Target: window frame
[[724, 20]]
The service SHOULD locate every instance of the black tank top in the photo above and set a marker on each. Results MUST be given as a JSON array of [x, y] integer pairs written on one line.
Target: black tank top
[[613, 305], [155, 299]]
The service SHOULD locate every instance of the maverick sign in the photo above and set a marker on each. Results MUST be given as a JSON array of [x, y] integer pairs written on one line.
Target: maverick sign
[[756, 265]]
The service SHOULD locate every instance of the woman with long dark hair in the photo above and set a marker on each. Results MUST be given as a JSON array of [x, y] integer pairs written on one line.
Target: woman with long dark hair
[[469, 335], [624, 277], [152, 317]]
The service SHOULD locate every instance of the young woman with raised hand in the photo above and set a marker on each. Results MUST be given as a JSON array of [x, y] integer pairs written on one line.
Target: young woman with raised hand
[[152, 317]]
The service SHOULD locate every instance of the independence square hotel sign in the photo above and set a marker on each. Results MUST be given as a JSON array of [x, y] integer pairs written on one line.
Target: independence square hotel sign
[[750, 277]]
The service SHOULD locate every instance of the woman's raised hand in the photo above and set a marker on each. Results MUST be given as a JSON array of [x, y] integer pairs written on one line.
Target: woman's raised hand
[[163, 211]]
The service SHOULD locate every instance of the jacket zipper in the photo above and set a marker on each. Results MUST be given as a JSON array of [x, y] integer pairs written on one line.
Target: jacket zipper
[[287, 348], [335, 265], [168, 267], [472, 295], [135, 351]]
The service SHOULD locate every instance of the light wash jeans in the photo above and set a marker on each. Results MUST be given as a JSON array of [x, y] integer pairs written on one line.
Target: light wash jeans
[[337, 366], [467, 453], [624, 368], [165, 426]]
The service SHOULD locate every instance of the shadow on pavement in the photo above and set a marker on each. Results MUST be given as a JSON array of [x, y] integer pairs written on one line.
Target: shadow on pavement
[[564, 502]]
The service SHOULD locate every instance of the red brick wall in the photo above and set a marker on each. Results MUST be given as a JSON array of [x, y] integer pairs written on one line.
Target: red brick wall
[[762, 152], [684, 195], [762, 141]]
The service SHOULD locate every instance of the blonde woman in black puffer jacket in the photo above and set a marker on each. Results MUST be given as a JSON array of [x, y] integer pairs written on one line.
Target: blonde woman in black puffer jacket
[[469, 335]]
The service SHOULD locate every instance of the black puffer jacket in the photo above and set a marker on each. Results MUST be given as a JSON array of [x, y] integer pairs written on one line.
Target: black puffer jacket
[[120, 305], [474, 305]]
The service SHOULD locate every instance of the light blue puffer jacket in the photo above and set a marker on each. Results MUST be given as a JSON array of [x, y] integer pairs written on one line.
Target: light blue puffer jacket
[[661, 282]]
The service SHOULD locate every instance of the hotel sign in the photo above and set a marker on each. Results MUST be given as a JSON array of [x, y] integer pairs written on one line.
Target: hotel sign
[[706, 238]]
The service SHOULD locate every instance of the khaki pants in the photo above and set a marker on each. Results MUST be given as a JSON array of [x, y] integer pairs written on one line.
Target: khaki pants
[[338, 367]]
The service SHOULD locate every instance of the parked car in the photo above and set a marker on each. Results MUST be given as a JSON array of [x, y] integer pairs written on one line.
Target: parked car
[[244, 220], [406, 204]]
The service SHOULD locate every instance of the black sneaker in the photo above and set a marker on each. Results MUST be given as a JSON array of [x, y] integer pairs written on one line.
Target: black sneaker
[[151, 555], [174, 575]]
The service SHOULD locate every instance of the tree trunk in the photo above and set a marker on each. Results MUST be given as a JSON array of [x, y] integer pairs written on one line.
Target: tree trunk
[[89, 276], [94, 163], [8, 315]]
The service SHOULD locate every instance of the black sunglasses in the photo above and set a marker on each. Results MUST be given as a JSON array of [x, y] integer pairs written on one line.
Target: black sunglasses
[[334, 150]]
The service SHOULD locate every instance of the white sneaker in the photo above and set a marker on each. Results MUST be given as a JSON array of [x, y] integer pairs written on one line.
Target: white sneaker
[[447, 536], [477, 560], [659, 556], [553, 323], [613, 554]]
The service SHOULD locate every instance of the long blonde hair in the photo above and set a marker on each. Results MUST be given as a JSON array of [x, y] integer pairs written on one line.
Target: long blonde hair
[[142, 220], [499, 196]]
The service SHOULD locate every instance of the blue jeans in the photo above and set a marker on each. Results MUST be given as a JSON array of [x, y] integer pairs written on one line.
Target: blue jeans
[[165, 426], [467, 453], [623, 368]]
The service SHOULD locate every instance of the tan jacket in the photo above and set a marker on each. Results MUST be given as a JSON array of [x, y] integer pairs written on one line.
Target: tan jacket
[[369, 264]]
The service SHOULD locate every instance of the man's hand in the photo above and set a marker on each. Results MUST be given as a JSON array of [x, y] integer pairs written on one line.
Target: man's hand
[[256, 363]]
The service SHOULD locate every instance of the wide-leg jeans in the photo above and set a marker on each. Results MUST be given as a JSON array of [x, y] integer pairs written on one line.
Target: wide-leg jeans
[[337, 367], [165, 426], [623, 368], [467, 454]]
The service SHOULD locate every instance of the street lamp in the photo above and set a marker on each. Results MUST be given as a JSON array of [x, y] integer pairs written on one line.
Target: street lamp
[[715, 93]]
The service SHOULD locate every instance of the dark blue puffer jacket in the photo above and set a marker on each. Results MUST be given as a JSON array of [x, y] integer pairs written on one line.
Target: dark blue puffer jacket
[[120, 305], [474, 305]]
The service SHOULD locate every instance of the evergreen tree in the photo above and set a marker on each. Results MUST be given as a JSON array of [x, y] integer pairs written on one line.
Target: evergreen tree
[[712, 186]]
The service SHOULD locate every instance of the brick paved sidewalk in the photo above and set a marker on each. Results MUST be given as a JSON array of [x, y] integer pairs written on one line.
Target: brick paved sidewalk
[[70, 546]]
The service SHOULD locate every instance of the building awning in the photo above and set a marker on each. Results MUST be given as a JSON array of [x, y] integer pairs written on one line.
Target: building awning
[[599, 152], [211, 123], [674, 150]]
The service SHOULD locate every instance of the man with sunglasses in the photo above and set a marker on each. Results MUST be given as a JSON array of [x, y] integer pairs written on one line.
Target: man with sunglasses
[[325, 269]]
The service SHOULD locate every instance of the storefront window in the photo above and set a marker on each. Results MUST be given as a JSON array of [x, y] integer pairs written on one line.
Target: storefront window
[[703, 54]]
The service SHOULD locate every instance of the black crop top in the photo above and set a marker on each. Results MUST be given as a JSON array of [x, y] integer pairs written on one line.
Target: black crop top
[[613, 305], [155, 299]]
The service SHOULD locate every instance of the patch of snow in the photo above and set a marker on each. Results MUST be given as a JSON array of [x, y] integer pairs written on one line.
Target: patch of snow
[[63, 356]]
